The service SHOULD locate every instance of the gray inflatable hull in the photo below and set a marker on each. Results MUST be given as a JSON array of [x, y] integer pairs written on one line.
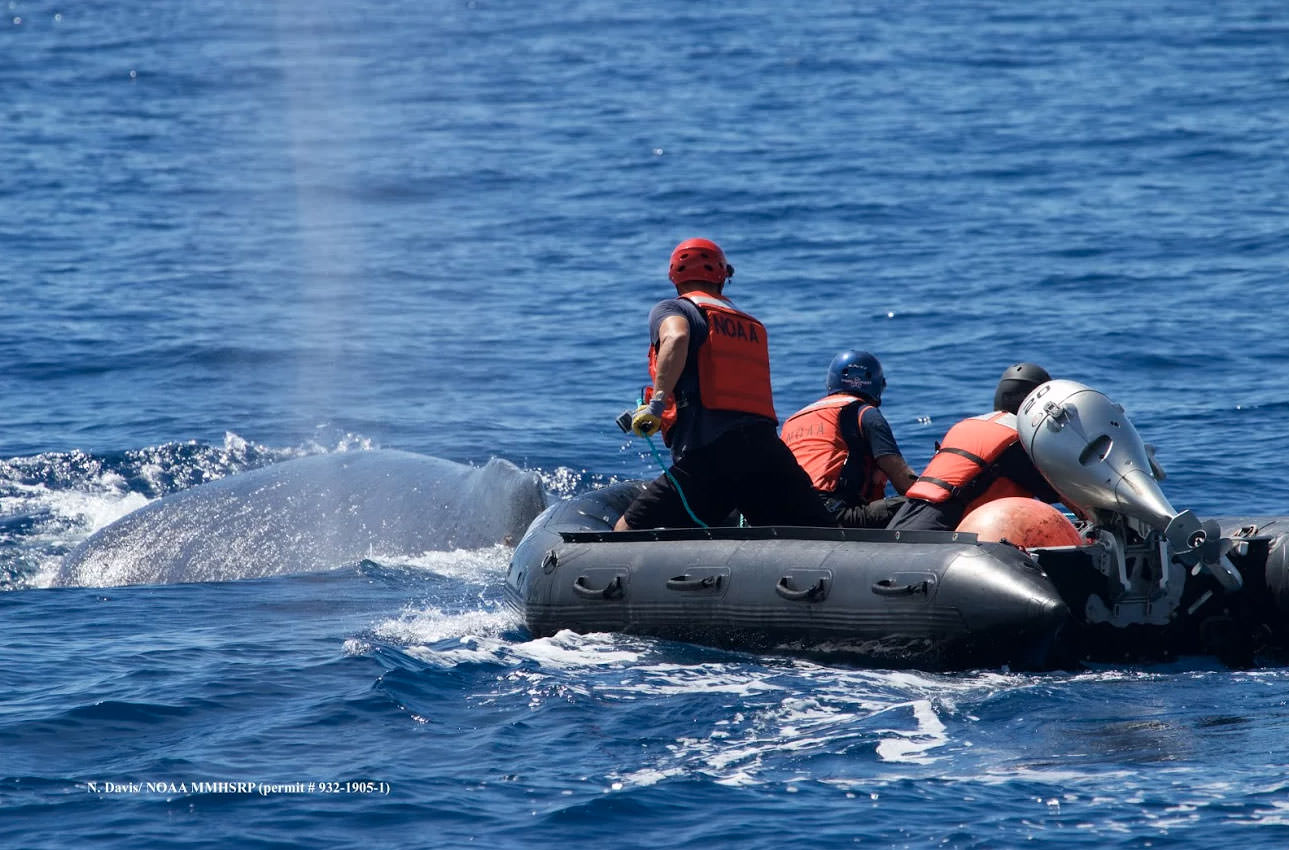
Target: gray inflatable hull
[[926, 600], [929, 600]]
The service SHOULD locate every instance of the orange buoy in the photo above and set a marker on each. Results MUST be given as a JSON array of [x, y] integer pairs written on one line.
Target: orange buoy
[[1025, 522]]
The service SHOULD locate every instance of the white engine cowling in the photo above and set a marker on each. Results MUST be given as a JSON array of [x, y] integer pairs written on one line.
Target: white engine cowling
[[1085, 446]]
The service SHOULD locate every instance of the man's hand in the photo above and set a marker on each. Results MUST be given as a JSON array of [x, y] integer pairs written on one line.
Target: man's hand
[[647, 420]]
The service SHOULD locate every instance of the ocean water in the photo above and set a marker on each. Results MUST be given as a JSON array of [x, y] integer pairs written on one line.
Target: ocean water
[[239, 233]]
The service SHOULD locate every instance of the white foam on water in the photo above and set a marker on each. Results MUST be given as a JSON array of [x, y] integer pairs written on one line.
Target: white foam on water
[[1276, 813], [355, 646], [899, 718], [641, 778], [567, 650], [775, 727], [83, 511], [418, 627], [475, 565], [913, 746], [70, 516], [667, 679], [445, 638]]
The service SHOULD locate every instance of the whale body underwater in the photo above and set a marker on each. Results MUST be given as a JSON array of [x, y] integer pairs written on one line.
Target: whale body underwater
[[310, 514]]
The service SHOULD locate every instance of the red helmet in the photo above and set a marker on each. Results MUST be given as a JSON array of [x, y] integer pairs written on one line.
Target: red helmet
[[698, 259]]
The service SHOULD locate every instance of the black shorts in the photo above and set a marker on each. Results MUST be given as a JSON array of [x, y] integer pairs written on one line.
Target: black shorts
[[747, 469]]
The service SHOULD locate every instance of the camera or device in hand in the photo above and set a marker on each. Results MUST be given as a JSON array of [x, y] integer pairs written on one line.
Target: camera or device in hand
[[624, 420]]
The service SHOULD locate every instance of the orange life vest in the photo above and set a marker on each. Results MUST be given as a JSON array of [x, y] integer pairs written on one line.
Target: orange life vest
[[814, 434], [962, 467], [733, 362]]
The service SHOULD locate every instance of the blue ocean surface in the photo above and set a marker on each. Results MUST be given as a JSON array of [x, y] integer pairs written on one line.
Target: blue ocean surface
[[235, 234]]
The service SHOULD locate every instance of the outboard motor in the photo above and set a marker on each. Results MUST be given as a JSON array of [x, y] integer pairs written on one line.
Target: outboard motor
[[1084, 444], [1092, 455]]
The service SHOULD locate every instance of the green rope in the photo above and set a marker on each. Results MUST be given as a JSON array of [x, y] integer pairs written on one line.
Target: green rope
[[666, 470]]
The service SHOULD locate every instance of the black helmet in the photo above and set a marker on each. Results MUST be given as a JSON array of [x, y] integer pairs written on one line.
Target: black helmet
[[1017, 382]]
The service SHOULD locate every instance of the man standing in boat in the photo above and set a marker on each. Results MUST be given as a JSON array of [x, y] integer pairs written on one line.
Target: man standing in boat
[[710, 367], [980, 459], [845, 444]]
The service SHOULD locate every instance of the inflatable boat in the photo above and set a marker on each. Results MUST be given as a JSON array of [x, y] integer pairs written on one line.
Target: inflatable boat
[[1140, 582]]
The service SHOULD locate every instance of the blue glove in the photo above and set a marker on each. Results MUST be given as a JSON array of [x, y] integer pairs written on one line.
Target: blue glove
[[647, 420]]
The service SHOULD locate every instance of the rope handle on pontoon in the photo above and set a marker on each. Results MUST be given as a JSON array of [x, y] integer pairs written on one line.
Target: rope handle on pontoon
[[815, 593], [613, 590], [888, 587]]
